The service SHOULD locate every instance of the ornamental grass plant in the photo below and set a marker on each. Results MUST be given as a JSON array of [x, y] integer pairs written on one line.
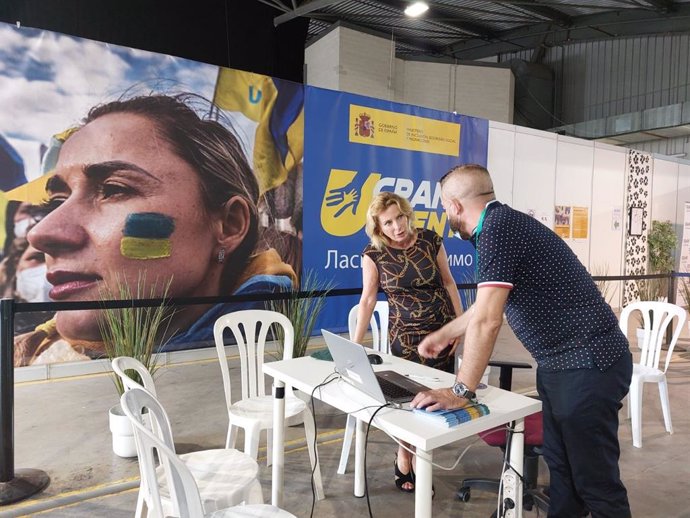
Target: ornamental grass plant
[[302, 305], [137, 332]]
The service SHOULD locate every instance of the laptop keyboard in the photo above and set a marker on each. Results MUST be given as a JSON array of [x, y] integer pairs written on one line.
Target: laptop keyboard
[[393, 391]]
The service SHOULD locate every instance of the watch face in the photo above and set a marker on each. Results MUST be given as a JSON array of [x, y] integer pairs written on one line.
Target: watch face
[[461, 390]]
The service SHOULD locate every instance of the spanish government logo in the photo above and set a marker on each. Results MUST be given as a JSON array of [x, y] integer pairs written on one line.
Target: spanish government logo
[[364, 126], [346, 200]]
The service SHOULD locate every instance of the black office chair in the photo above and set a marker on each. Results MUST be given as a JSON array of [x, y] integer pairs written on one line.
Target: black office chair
[[532, 494]]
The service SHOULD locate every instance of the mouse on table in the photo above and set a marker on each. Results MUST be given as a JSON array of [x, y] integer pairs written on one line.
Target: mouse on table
[[375, 359]]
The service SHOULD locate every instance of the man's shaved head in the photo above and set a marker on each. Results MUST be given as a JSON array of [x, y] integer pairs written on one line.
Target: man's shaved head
[[466, 182]]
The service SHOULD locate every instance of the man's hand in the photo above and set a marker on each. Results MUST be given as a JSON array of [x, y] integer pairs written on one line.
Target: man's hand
[[438, 399], [433, 344]]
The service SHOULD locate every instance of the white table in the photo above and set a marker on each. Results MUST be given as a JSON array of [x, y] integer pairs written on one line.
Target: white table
[[307, 373]]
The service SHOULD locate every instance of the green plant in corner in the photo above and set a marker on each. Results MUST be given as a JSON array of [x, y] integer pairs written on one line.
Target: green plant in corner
[[302, 306], [661, 242], [137, 332]]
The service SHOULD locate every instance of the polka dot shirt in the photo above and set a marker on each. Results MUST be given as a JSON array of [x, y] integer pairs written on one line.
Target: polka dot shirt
[[554, 307]]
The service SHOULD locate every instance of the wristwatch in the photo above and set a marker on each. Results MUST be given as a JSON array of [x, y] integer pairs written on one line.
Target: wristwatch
[[461, 390]]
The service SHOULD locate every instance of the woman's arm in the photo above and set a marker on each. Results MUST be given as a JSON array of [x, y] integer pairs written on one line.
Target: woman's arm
[[370, 287], [448, 281]]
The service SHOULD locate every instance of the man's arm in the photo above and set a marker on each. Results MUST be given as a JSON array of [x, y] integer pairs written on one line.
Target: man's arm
[[486, 318]]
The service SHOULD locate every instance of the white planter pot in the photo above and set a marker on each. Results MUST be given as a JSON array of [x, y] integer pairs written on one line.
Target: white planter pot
[[123, 435]]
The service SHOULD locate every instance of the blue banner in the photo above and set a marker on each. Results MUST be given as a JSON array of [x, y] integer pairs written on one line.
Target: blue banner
[[356, 147]]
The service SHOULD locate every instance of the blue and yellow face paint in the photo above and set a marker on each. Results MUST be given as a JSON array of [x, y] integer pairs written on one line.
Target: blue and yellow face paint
[[147, 236]]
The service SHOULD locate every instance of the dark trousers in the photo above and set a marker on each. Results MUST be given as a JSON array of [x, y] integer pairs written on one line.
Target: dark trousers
[[580, 408]]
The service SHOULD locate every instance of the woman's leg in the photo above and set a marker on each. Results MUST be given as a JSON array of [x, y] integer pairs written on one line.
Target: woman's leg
[[405, 466]]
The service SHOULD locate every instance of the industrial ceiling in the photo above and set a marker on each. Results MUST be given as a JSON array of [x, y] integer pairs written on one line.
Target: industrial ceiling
[[476, 29]]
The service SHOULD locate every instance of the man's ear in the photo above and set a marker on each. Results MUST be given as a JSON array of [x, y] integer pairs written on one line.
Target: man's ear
[[234, 224]]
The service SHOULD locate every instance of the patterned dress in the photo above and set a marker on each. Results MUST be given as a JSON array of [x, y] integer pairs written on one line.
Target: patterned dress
[[418, 301]]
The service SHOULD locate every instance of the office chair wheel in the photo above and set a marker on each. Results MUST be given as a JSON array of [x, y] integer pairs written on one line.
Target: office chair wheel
[[463, 494]]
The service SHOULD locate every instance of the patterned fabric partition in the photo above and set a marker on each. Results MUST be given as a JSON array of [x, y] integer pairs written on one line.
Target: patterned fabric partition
[[638, 188]]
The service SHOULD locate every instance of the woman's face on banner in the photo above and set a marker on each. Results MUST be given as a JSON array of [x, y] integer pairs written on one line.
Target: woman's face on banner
[[123, 203]]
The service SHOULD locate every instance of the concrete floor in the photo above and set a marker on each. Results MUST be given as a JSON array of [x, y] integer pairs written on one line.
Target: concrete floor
[[61, 427]]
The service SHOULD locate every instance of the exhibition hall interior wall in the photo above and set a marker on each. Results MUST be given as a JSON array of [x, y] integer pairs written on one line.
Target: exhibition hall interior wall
[[545, 175], [356, 62], [538, 170], [534, 170]]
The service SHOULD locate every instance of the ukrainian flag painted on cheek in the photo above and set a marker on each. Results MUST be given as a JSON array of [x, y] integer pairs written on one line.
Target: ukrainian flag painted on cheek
[[147, 236]]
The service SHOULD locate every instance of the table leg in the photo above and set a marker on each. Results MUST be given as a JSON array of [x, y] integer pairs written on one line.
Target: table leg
[[423, 484], [278, 442], [360, 436], [512, 478]]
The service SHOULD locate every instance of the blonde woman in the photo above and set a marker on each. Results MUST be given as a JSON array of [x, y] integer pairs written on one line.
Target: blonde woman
[[410, 265]]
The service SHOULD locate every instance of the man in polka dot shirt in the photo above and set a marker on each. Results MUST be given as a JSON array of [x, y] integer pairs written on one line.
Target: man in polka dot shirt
[[554, 308]]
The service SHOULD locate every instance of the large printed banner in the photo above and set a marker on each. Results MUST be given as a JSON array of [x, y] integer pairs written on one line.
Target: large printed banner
[[119, 166], [356, 147]]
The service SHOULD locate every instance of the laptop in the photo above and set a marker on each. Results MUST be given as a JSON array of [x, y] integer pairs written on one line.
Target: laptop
[[352, 363]]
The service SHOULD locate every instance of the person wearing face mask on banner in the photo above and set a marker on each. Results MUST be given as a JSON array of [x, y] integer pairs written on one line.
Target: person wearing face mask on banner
[[23, 268]]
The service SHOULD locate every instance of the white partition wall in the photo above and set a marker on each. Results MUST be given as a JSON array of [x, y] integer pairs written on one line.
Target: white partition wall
[[664, 190], [501, 158], [534, 176], [608, 216], [534, 171], [574, 162], [682, 197]]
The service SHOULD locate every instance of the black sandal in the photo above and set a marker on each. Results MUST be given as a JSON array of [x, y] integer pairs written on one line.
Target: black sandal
[[402, 478]]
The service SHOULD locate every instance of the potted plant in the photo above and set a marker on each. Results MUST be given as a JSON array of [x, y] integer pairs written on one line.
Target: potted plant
[[303, 311], [661, 243], [302, 305], [136, 332]]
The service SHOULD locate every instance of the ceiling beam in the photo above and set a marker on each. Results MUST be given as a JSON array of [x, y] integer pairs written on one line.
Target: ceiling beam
[[626, 22], [550, 13], [664, 6], [470, 28], [305, 8]]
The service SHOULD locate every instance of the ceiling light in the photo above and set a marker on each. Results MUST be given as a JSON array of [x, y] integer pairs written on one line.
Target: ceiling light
[[416, 9]]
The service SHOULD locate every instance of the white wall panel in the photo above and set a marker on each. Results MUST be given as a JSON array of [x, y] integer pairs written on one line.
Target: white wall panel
[[608, 194], [574, 184], [534, 172], [664, 190], [682, 197], [501, 157], [366, 64], [322, 62]]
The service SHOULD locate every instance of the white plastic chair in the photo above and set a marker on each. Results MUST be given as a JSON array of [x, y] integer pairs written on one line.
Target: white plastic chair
[[172, 485], [647, 370], [224, 477], [378, 325], [254, 411], [379, 341]]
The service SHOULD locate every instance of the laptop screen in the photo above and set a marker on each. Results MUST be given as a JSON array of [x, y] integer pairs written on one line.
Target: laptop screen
[[352, 363]]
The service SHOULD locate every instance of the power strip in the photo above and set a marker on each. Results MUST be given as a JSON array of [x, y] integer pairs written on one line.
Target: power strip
[[510, 481]]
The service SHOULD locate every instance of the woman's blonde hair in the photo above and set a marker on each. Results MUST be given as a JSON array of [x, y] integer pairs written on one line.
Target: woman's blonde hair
[[381, 202]]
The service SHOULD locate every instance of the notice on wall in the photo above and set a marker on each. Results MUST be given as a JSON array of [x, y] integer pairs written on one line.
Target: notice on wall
[[580, 217], [562, 221]]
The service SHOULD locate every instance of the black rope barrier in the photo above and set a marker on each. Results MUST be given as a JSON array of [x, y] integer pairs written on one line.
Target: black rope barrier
[[22, 483], [16, 485]]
